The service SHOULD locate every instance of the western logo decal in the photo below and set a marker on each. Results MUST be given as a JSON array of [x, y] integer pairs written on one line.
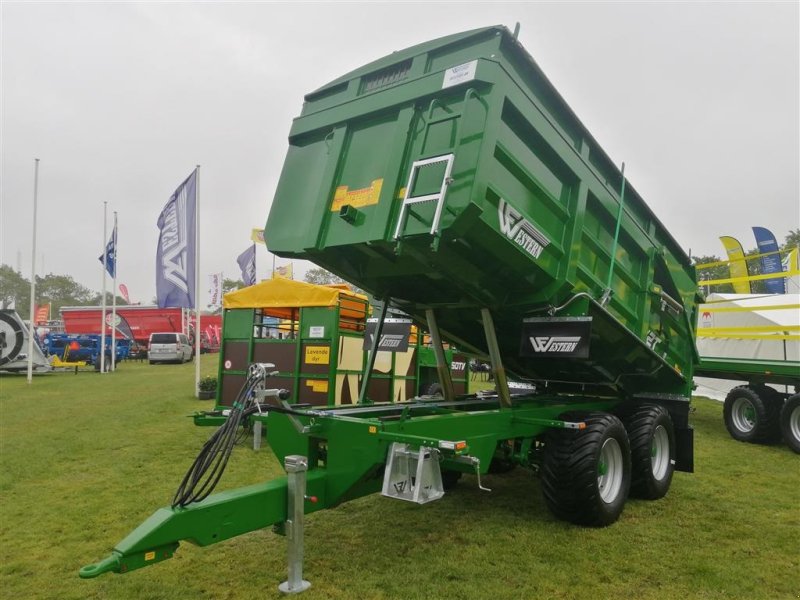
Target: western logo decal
[[556, 337], [555, 343], [520, 231]]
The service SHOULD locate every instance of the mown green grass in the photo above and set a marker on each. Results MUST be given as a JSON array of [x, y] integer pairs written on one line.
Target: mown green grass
[[86, 458]]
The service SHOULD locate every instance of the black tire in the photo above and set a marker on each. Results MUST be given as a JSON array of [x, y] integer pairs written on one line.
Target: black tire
[[652, 438], [790, 422], [450, 479], [749, 417], [575, 486], [13, 342], [152, 362]]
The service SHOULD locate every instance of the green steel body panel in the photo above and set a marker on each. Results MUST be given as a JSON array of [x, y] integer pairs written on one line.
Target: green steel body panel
[[752, 370], [519, 154]]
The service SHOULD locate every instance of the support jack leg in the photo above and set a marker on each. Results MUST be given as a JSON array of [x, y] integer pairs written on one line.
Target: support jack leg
[[296, 467]]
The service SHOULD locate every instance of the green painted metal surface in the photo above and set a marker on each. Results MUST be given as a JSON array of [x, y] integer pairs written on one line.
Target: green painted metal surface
[[527, 222], [346, 450], [753, 370]]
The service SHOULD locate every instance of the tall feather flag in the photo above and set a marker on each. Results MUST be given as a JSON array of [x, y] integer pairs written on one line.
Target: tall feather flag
[[176, 253], [215, 289], [738, 266], [772, 262], [247, 263], [123, 289]]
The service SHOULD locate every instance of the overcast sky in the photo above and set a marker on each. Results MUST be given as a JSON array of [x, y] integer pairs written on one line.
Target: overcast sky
[[121, 101]]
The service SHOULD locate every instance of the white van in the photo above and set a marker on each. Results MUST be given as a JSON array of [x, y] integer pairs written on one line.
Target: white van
[[169, 347]]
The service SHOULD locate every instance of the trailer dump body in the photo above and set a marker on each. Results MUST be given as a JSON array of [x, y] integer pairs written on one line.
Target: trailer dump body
[[452, 181], [453, 176]]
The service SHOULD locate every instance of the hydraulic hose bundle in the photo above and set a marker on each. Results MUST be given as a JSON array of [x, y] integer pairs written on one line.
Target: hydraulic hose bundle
[[207, 469]]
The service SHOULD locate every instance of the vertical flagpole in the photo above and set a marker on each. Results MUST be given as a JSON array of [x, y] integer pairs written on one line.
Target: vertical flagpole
[[197, 285], [103, 311], [114, 302], [273, 267], [33, 270]]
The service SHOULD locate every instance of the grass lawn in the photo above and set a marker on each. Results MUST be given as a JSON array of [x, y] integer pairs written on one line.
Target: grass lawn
[[87, 457]]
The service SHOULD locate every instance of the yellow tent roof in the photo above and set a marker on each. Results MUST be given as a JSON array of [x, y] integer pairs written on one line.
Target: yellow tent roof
[[285, 293]]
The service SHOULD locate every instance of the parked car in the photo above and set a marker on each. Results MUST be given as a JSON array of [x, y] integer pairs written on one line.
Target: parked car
[[169, 347]]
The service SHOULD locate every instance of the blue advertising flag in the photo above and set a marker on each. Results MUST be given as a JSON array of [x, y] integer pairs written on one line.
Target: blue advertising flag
[[175, 256], [247, 263], [111, 254], [772, 263]]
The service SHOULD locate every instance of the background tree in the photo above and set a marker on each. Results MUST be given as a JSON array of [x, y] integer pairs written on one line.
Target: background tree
[[229, 285], [15, 291], [713, 273], [792, 240], [320, 276], [63, 290]]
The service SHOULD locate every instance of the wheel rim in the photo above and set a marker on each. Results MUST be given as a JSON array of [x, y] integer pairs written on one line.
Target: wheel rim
[[609, 470], [794, 422], [743, 414], [659, 453]]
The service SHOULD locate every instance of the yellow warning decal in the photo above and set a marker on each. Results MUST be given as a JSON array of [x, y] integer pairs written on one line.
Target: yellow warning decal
[[363, 197], [373, 429], [318, 355], [150, 555], [318, 385]]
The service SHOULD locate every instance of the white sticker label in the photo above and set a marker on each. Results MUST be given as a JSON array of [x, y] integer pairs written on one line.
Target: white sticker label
[[228, 364], [316, 331], [460, 74]]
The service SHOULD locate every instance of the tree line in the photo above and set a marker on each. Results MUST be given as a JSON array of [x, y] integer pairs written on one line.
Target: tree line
[[56, 290]]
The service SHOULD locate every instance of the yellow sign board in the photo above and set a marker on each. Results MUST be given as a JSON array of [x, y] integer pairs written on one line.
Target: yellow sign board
[[318, 385], [356, 198], [318, 355]]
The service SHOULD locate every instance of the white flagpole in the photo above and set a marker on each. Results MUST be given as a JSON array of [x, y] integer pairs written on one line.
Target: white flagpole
[[33, 271], [103, 311], [197, 285], [114, 302]]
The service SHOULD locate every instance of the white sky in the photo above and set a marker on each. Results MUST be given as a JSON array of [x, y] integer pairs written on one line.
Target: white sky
[[120, 101]]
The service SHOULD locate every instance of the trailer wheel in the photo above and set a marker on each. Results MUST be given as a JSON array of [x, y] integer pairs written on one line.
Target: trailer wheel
[[749, 417], [586, 474], [11, 338], [790, 422], [652, 439], [773, 400]]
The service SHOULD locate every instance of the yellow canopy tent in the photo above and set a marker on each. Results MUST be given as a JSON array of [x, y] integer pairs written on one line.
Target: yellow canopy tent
[[279, 296]]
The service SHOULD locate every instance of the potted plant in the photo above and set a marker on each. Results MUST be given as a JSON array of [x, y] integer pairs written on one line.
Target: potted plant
[[207, 388]]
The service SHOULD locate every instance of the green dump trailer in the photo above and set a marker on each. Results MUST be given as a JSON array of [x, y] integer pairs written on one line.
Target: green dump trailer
[[453, 182], [754, 339]]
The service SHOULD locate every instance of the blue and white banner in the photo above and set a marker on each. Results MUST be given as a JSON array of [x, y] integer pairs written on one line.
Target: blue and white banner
[[175, 256], [772, 263], [110, 254], [247, 263]]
